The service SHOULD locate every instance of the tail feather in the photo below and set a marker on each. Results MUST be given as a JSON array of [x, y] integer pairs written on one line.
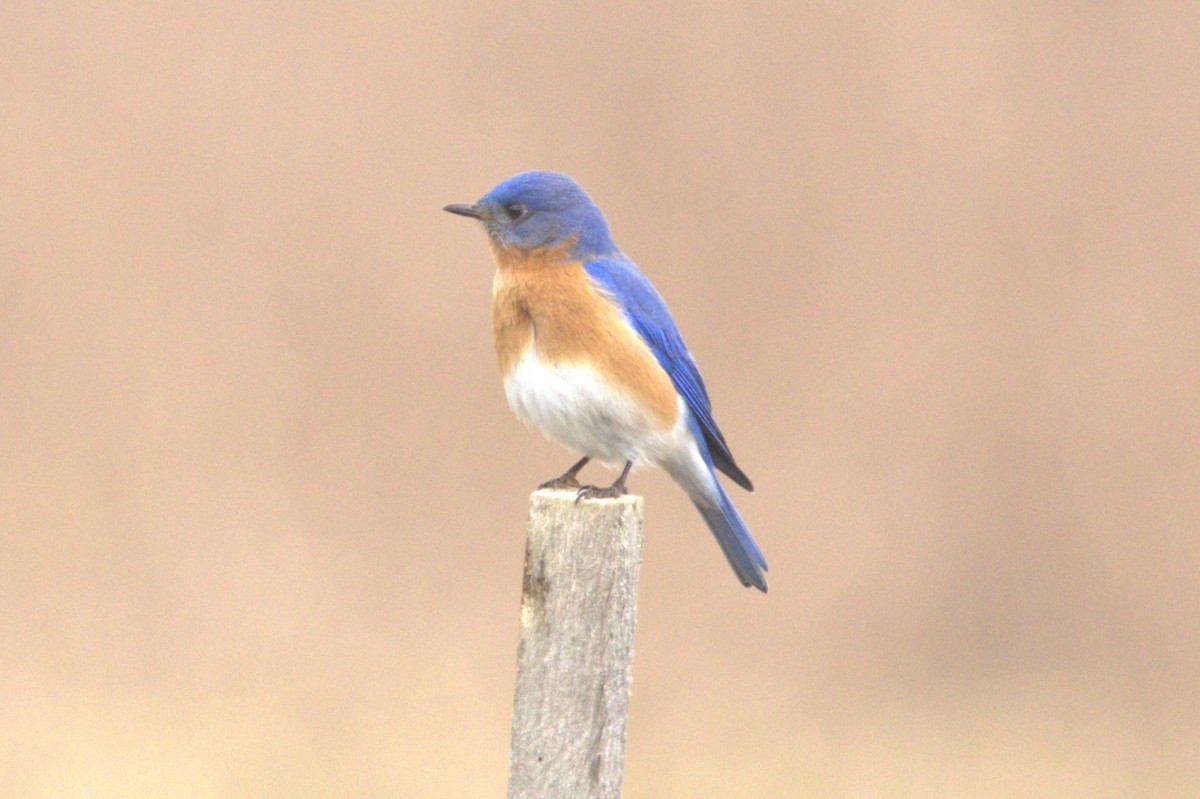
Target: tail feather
[[739, 546]]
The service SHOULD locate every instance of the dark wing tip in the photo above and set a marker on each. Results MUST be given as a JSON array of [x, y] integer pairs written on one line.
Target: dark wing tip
[[731, 469]]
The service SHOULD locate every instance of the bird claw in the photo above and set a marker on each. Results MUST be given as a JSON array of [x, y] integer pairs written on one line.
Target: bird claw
[[564, 483], [595, 492]]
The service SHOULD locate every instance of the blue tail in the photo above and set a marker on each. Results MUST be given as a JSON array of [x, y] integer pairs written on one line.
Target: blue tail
[[739, 546]]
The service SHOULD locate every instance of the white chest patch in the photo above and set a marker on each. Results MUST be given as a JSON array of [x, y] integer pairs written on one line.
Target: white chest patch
[[574, 405]]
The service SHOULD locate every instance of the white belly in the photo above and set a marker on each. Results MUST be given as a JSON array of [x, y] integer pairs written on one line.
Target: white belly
[[575, 406]]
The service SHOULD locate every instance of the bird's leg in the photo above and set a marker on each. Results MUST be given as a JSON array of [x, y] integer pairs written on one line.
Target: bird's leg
[[568, 478], [617, 489]]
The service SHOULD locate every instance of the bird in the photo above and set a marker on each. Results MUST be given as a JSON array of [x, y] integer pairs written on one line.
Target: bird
[[591, 356]]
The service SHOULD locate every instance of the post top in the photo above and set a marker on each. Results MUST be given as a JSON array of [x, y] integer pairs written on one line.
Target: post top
[[568, 496]]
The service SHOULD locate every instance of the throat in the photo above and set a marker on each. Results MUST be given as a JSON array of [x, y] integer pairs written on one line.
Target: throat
[[511, 257]]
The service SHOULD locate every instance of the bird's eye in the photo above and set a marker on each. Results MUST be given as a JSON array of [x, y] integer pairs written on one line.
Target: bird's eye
[[516, 211]]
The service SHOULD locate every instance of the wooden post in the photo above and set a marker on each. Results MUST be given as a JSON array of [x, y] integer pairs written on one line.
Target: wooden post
[[574, 662]]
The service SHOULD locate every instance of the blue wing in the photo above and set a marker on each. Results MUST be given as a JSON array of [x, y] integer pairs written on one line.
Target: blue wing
[[648, 314]]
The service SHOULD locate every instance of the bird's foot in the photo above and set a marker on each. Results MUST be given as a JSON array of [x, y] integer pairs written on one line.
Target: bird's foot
[[568, 479], [617, 489], [596, 492], [565, 483]]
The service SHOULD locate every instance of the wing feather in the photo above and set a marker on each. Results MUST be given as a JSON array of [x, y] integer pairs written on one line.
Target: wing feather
[[648, 314]]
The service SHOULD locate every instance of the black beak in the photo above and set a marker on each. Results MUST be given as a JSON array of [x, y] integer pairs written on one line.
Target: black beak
[[464, 210]]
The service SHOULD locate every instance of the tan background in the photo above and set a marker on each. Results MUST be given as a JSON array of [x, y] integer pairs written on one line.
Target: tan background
[[262, 502]]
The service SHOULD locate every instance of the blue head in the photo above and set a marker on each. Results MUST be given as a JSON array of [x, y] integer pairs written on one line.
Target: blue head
[[541, 209]]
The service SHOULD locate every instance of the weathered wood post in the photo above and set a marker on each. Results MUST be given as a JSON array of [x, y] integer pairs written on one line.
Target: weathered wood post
[[574, 662]]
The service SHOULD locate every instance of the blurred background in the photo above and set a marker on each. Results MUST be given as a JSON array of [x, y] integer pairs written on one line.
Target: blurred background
[[262, 502]]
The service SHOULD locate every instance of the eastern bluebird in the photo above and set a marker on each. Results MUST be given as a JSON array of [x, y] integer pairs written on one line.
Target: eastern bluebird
[[591, 356]]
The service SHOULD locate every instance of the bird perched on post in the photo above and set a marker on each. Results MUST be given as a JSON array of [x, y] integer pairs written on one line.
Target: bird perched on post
[[591, 356]]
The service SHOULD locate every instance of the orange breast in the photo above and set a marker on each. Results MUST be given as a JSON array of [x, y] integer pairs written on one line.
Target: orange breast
[[551, 303]]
